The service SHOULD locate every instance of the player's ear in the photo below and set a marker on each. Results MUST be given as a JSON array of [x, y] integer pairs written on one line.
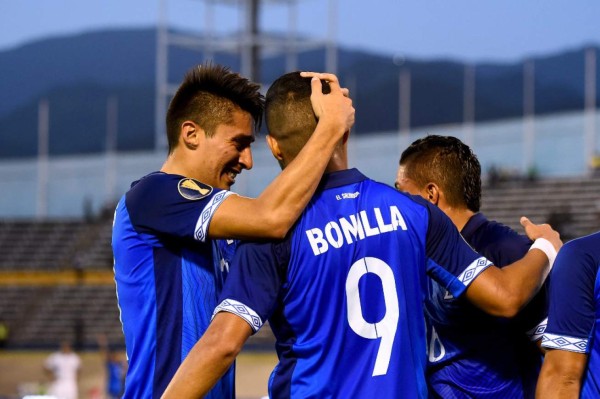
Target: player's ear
[[191, 134], [433, 193], [274, 146]]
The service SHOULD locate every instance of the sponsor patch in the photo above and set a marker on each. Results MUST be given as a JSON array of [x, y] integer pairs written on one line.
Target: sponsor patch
[[192, 189]]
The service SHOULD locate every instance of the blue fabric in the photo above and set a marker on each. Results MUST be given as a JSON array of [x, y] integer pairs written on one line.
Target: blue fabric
[[114, 378], [475, 355], [574, 313], [344, 292], [168, 276]]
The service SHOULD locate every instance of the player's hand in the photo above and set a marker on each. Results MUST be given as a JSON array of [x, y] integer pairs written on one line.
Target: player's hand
[[535, 231], [335, 107]]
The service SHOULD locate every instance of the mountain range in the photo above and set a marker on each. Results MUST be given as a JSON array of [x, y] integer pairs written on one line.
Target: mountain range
[[77, 74]]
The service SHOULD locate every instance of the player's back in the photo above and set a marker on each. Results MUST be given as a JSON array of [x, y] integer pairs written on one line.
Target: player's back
[[351, 322]]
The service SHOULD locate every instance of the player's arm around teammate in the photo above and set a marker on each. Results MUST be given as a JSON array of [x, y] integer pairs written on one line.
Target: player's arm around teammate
[[504, 291], [214, 353], [274, 211]]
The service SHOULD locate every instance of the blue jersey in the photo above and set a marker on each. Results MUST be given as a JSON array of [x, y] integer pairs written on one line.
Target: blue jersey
[[574, 314], [473, 354], [114, 378], [344, 292], [168, 276]]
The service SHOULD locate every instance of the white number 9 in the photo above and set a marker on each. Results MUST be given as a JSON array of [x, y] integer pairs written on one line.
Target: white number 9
[[386, 327]]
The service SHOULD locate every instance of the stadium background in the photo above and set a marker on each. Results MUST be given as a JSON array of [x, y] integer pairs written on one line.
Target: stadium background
[[70, 148]]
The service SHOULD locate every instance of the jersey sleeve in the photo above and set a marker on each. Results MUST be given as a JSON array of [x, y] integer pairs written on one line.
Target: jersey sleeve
[[173, 206], [571, 314], [255, 278], [450, 260]]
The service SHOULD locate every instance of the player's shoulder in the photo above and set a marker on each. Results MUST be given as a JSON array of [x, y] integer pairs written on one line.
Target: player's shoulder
[[496, 241], [586, 246], [160, 186], [503, 234], [277, 250]]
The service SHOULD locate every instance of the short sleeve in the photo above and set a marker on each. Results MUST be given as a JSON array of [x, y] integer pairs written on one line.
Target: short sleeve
[[254, 282], [571, 313], [173, 205], [450, 260]]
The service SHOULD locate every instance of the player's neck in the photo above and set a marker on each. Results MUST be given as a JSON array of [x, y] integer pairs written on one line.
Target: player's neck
[[177, 165], [338, 161]]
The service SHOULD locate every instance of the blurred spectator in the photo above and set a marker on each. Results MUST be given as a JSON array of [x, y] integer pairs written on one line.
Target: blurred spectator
[[116, 368], [63, 367]]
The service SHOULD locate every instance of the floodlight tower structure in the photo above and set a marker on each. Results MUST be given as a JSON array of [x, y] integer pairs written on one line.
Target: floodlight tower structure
[[248, 41]]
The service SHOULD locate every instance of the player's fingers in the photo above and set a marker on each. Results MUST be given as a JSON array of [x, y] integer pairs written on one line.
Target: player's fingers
[[328, 77], [525, 222], [316, 87], [346, 92]]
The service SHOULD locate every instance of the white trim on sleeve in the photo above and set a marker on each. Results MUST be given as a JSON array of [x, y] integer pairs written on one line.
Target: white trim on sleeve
[[241, 310], [536, 333], [566, 343], [474, 270], [201, 230]]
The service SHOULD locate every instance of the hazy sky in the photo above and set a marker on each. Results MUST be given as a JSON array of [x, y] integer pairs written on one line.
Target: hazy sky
[[475, 30]]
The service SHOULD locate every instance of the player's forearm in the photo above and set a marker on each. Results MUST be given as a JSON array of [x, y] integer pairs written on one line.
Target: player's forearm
[[286, 197], [561, 375], [201, 370], [210, 358], [274, 212], [557, 389], [524, 278], [503, 292], [557, 385]]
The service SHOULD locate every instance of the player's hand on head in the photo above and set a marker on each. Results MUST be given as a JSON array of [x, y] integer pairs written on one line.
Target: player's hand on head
[[335, 107], [535, 231]]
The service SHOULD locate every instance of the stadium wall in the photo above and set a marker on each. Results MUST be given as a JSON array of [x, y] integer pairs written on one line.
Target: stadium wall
[[80, 185]]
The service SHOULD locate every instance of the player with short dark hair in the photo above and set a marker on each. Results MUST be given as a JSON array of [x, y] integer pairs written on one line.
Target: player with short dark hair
[[571, 367], [169, 269], [471, 354], [343, 292]]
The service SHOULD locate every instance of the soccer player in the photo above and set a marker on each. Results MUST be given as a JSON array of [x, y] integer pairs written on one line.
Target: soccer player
[[471, 354], [571, 367], [168, 267], [343, 292]]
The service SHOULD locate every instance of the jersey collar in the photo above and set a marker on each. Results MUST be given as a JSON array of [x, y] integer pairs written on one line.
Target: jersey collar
[[472, 225], [341, 178]]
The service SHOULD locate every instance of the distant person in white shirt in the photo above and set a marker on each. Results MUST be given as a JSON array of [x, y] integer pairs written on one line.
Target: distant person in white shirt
[[64, 367]]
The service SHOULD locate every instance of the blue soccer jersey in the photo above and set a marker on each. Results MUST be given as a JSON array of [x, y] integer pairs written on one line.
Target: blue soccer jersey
[[473, 354], [168, 277], [574, 314], [344, 292]]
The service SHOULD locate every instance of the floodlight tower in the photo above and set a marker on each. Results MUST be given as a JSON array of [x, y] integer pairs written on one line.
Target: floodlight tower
[[248, 41]]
